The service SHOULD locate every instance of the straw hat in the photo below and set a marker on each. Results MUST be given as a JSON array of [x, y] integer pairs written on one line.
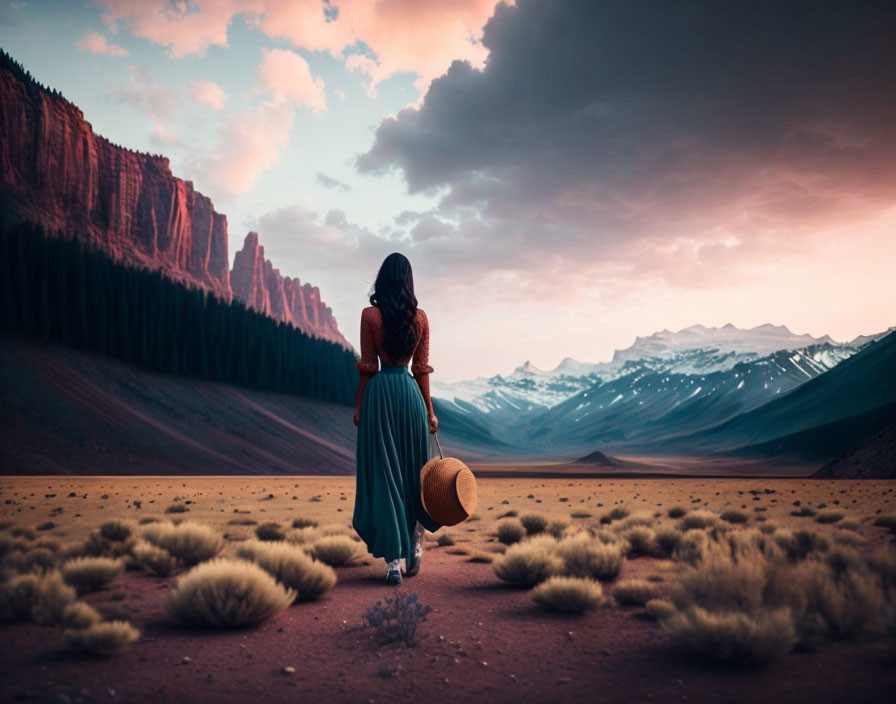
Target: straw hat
[[448, 490]]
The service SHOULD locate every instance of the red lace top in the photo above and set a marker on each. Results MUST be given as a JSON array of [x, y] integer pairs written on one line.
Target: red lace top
[[372, 334]]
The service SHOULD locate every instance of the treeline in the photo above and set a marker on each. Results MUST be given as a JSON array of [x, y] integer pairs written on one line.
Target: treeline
[[57, 289]]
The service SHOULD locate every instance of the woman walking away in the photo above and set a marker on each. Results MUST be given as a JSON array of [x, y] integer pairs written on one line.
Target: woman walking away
[[394, 415]]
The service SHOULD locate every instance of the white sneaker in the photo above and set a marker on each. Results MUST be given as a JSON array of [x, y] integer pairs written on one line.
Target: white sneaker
[[393, 572]]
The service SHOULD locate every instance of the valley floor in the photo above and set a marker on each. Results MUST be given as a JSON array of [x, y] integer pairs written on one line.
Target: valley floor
[[483, 640]]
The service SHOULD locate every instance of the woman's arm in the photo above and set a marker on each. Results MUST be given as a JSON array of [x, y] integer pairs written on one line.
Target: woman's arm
[[421, 370], [368, 365]]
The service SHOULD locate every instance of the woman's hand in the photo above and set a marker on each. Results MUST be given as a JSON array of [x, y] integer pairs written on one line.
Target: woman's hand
[[357, 418], [433, 423]]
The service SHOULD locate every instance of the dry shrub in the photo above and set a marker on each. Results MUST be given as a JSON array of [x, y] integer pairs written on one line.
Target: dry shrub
[[528, 563], [51, 597], [849, 524], [698, 520], [690, 547], [639, 518], [835, 594], [534, 523], [40, 598], [226, 593], [633, 592], [768, 528], [153, 559], [586, 557], [658, 609], [613, 515], [732, 637], [89, 573], [47, 543], [116, 530], [97, 545], [557, 528], [335, 550], [10, 544], [80, 614], [188, 542], [311, 534], [641, 541], [830, 516], [270, 531], [33, 560], [305, 535], [734, 516], [510, 531], [882, 562], [676, 511], [303, 523], [570, 594], [848, 538], [290, 566], [800, 543], [177, 508], [444, 540], [886, 520], [666, 541], [105, 638], [720, 581], [17, 596]]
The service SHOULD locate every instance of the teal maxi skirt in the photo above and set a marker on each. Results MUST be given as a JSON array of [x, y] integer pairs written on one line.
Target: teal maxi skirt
[[393, 445]]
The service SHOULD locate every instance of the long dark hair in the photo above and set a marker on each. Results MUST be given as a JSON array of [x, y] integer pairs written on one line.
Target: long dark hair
[[393, 294]]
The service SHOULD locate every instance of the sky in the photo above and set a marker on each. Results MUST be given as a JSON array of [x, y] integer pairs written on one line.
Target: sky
[[563, 175]]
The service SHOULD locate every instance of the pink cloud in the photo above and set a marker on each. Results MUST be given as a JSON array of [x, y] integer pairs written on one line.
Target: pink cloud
[[96, 43], [207, 93], [404, 35], [185, 28], [162, 137], [286, 76], [248, 144]]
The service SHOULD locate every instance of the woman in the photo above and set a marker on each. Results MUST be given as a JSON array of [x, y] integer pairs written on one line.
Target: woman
[[393, 414]]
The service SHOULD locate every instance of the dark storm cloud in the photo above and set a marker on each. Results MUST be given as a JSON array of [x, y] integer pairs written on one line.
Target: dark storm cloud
[[604, 122]]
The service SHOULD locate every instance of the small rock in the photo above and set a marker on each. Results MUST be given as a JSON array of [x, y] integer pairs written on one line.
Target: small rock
[[289, 670], [563, 680], [607, 652], [186, 660], [110, 691], [484, 663]]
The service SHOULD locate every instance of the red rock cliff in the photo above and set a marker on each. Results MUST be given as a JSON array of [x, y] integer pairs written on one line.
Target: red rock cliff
[[57, 173], [259, 285]]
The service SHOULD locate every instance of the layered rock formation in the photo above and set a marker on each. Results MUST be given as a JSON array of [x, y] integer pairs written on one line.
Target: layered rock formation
[[256, 282], [57, 173]]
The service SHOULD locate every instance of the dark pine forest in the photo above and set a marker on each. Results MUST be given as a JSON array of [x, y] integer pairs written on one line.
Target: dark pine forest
[[60, 290]]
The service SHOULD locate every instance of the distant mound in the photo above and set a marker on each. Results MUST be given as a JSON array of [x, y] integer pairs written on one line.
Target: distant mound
[[875, 458], [602, 460]]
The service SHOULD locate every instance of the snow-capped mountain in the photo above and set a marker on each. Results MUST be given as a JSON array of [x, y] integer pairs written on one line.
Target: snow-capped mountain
[[696, 350], [647, 406]]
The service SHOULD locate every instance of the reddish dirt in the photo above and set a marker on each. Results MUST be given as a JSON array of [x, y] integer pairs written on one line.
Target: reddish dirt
[[483, 641]]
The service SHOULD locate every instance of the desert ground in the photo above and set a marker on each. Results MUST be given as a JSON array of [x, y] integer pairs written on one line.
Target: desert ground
[[484, 639]]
